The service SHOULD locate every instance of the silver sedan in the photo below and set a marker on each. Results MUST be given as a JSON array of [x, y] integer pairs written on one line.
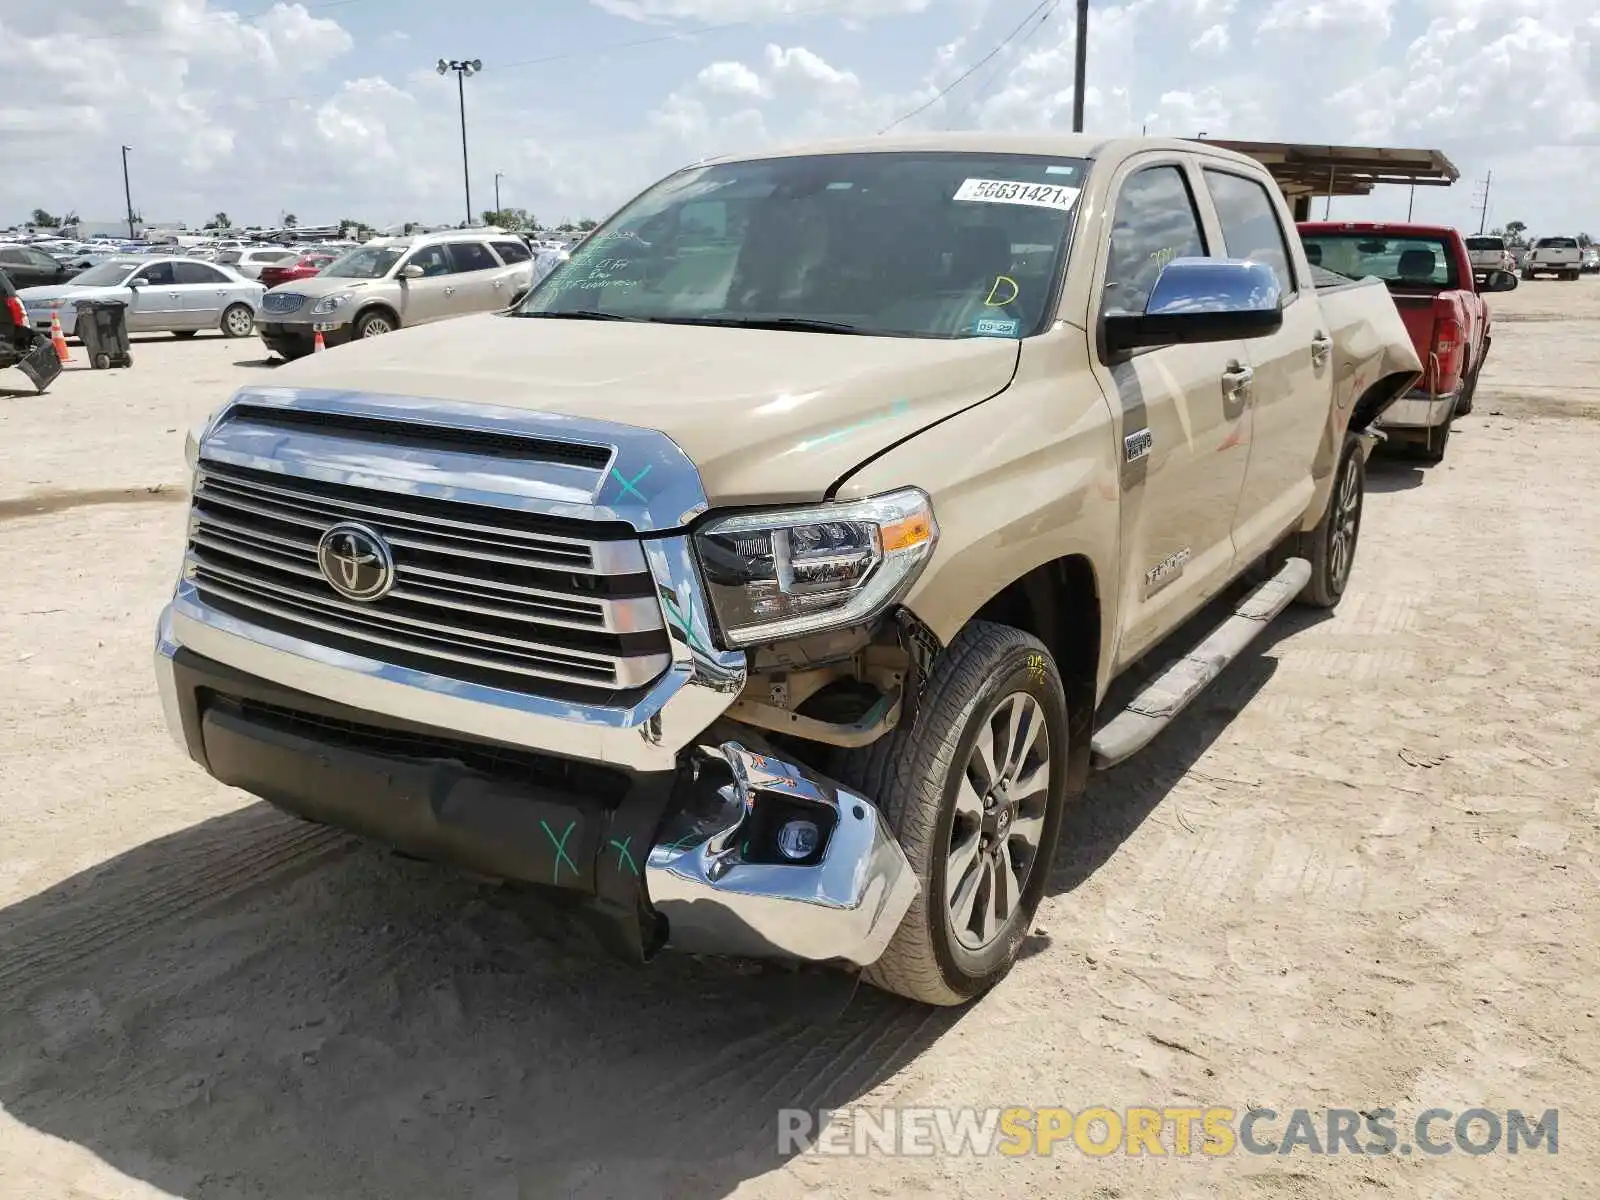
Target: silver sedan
[[176, 295]]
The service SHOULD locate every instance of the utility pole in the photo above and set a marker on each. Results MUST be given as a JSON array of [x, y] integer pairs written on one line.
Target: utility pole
[[127, 192], [498, 175], [462, 68], [1483, 210], [1082, 56], [1411, 202]]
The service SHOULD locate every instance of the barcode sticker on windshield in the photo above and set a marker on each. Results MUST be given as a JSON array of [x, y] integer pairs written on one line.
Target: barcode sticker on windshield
[[1006, 191]]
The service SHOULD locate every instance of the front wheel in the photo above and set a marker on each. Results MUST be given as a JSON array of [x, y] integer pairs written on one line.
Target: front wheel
[[238, 321], [1330, 548], [974, 791], [374, 324]]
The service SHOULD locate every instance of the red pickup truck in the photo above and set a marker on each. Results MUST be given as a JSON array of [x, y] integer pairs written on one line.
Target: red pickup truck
[[1430, 276]]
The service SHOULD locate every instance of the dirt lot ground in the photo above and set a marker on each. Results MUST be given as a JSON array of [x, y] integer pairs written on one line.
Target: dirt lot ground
[[1361, 873]]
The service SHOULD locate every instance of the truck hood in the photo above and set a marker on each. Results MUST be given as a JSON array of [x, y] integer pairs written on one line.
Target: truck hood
[[767, 416]]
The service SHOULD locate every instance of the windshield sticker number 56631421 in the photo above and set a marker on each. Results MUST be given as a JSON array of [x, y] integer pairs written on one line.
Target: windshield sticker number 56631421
[[1007, 191]]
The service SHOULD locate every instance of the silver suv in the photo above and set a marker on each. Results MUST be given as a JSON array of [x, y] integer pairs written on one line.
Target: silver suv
[[393, 282]]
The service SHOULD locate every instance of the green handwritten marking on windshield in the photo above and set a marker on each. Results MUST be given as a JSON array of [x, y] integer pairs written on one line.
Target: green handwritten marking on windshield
[[561, 849], [630, 486], [623, 856], [898, 409]]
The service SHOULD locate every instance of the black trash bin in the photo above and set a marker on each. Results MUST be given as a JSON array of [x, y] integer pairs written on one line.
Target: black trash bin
[[103, 330]]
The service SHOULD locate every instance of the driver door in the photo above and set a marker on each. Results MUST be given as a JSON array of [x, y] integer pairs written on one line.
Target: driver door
[[157, 300], [433, 294], [1184, 417]]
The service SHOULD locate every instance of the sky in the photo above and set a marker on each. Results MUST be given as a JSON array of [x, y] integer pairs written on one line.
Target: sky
[[332, 109]]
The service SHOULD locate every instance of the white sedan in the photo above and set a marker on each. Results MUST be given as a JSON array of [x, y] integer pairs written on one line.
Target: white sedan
[[176, 295]]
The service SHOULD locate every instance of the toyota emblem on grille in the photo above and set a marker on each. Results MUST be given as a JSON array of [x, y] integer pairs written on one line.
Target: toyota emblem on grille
[[356, 562]]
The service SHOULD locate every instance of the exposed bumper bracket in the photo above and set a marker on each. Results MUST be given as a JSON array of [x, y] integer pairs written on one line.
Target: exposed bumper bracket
[[715, 878]]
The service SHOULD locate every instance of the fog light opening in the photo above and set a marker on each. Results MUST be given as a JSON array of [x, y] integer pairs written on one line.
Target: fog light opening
[[798, 839]]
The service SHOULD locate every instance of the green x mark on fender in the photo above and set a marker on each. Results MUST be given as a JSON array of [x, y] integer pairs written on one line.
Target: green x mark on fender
[[623, 856], [630, 486], [561, 848], [684, 617]]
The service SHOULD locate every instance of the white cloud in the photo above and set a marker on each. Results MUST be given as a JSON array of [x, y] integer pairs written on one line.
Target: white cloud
[[721, 11], [730, 79], [288, 109]]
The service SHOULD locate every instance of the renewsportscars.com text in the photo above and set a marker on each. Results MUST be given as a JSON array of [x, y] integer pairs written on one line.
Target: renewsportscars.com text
[[1169, 1131]]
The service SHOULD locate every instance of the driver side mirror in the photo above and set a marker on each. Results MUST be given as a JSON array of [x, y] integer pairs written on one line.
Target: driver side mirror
[[1202, 300], [1498, 281], [411, 271]]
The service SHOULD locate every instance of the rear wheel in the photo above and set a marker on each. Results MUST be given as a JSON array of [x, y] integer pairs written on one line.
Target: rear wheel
[[1330, 548], [1432, 446], [1468, 389], [974, 792], [238, 321]]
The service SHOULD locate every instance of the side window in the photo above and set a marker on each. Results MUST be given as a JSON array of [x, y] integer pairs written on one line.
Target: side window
[[193, 272], [511, 252], [1250, 224], [1154, 222], [434, 260], [15, 257], [39, 259], [158, 275], [472, 256]]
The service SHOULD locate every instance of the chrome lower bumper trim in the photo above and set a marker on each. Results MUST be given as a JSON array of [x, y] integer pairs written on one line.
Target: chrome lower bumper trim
[[845, 905]]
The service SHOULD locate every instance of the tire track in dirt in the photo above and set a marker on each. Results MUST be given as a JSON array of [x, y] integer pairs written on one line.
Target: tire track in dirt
[[270, 849]]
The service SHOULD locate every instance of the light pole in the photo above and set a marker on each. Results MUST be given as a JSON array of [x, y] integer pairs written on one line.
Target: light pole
[[1081, 66], [127, 192], [462, 68], [498, 176]]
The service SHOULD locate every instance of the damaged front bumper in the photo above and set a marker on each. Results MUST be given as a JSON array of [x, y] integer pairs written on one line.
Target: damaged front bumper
[[692, 858]]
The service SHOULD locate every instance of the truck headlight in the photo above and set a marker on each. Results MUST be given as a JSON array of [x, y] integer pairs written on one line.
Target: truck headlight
[[328, 303], [786, 573]]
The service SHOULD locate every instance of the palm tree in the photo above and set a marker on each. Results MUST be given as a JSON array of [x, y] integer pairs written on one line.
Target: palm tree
[[290, 221], [220, 221]]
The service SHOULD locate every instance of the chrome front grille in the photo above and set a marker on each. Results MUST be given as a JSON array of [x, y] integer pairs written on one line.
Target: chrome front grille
[[486, 595], [281, 302]]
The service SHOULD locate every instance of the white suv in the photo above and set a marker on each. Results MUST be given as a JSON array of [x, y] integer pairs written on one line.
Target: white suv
[[1558, 256], [393, 283]]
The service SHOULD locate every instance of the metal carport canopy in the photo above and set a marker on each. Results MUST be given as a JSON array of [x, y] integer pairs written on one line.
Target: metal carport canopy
[[1304, 171]]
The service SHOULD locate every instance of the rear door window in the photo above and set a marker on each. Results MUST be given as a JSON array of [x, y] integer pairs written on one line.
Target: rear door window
[[511, 252], [1250, 226], [473, 256], [193, 272]]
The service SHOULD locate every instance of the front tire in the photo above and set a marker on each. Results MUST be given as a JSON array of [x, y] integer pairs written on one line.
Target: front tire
[[238, 321], [1330, 548], [374, 324], [974, 792]]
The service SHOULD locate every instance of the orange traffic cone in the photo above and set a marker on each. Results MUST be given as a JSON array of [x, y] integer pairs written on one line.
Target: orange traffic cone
[[316, 343], [57, 338]]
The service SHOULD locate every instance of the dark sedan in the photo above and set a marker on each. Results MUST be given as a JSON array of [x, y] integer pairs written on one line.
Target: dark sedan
[[30, 267]]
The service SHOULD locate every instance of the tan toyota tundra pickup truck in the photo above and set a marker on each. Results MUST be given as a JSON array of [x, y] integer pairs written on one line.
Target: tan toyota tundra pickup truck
[[760, 577]]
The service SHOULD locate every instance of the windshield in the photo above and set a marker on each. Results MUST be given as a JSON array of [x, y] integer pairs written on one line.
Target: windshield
[[1404, 261], [1486, 243], [1558, 243], [365, 262], [937, 245], [110, 274]]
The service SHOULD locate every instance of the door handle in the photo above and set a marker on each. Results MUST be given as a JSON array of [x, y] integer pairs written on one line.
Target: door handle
[[1236, 381], [499, 283], [1321, 347], [449, 291]]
